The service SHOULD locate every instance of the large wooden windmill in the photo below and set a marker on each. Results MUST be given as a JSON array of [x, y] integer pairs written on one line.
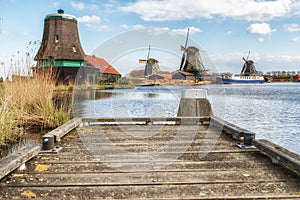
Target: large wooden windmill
[[191, 60], [151, 65], [60, 48]]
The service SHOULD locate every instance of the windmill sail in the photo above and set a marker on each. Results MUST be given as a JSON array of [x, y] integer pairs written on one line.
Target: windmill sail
[[183, 59], [142, 61], [148, 70]]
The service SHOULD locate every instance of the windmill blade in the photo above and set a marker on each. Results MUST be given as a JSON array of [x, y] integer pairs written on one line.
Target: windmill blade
[[146, 72], [142, 61], [248, 55], [244, 59], [148, 53], [182, 48], [146, 69], [183, 59], [187, 38], [244, 68]]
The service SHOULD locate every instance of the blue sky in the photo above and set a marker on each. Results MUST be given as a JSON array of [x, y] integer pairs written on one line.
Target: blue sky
[[225, 30]]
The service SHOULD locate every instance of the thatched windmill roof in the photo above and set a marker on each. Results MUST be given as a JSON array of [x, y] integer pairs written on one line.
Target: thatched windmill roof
[[60, 38]]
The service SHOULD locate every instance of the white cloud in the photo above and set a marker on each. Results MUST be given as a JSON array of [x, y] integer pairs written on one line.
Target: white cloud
[[296, 8], [125, 26], [110, 6], [193, 30], [296, 39], [4, 33], [89, 19], [138, 26], [26, 33], [96, 27], [260, 29], [250, 10], [55, 4], [261, 39], [164, 30], [82, 6], [78, 6], [291, 27]]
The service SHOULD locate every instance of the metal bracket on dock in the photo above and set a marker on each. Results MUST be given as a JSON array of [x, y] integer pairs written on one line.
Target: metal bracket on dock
[[248, 140], [279, 155], [54, 150]]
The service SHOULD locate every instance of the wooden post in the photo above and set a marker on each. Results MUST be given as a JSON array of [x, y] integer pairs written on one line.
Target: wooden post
[[194, 103]]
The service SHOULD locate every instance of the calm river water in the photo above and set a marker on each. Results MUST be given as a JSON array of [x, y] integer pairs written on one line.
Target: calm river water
[[272, 111]]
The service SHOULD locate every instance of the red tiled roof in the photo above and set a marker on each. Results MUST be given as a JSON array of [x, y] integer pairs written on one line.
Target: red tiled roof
[[101, 64]]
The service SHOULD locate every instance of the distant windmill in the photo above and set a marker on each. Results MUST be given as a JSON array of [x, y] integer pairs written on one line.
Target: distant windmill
[[248, 68], [151, 64]]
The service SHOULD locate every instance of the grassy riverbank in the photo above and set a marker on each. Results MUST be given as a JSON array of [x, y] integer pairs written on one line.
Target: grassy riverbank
[[28, 102]]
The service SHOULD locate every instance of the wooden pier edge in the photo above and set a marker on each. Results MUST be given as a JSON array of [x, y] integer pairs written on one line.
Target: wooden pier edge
[[235, 131], [13, 161], [279, 155], [62, 130]]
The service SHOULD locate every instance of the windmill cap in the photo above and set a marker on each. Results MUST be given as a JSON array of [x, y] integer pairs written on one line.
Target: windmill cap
[[61, 15]]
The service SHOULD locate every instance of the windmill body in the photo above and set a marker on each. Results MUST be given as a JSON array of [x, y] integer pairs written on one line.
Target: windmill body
[[61, 50], [191, 61], [151, 65]]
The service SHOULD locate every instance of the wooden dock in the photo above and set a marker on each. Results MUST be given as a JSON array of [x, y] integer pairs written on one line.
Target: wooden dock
[[154, 161]]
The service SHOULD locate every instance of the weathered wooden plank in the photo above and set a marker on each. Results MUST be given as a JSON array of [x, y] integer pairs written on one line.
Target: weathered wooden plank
[[174, 191], [64, 129], [279, 154], [148, 178], [150, 147], [92, 168], [161, 156], [145, 120], [16, 159], [203, 165]]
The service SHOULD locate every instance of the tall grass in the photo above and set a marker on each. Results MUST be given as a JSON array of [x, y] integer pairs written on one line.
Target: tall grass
[[28, 102]]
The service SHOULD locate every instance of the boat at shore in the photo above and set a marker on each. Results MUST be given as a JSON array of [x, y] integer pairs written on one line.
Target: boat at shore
[[247, 75], [228, 79]]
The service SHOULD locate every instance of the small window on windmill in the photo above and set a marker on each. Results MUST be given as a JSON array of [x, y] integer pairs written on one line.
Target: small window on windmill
[[74, 49], [56, 38]]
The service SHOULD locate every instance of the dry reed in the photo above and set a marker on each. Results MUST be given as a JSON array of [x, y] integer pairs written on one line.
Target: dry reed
[[27, 102]]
